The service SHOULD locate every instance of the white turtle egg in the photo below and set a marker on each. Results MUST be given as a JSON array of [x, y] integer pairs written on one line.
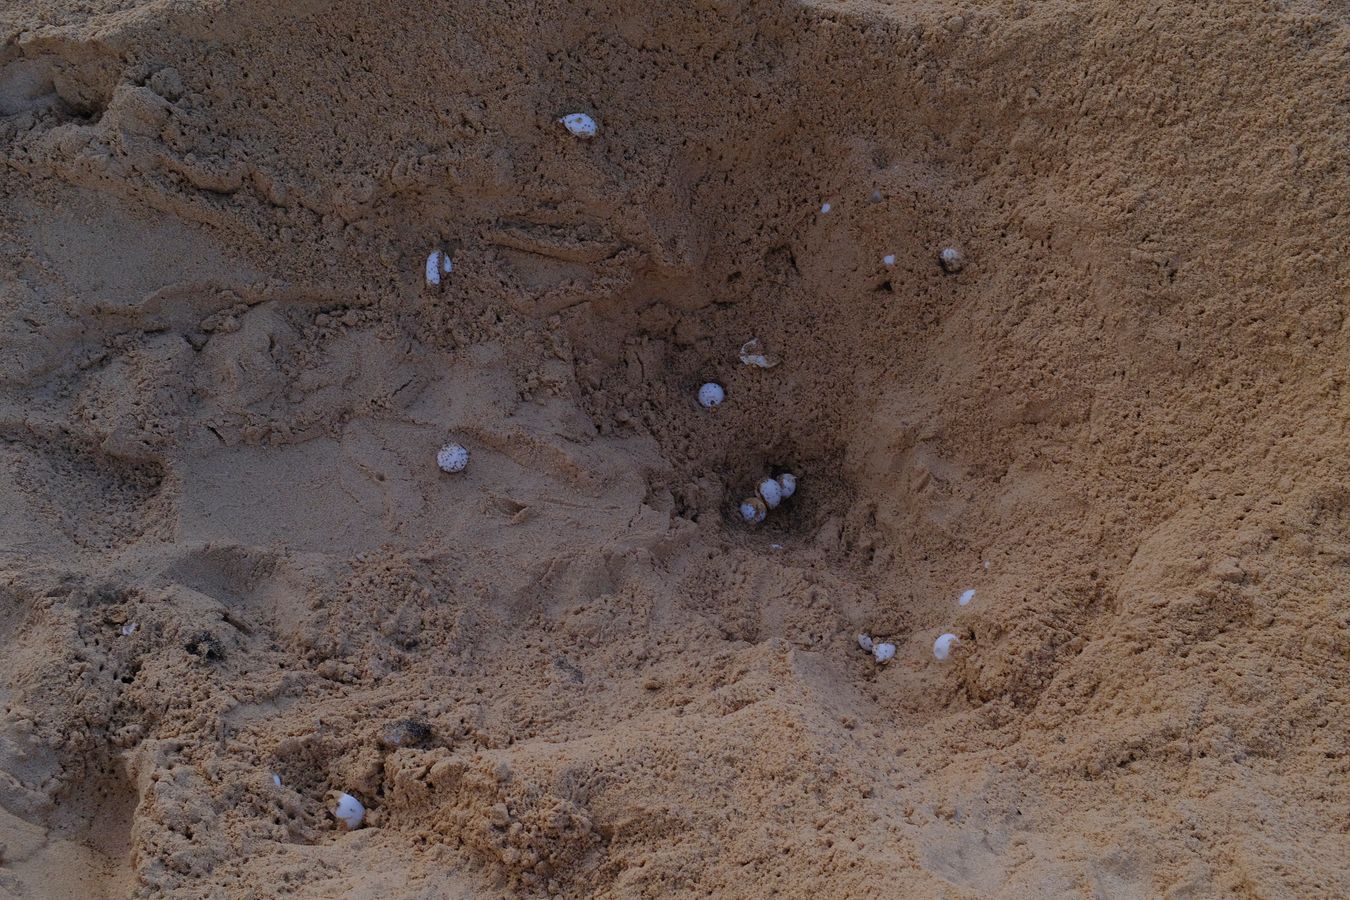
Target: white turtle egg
[[787, 484], [710, 395], [753, 510], [883, 652], [942, 647], [865, 642], [771, 491], [349, 811], [952, 259], [580, 124], [438, 264], [452, 458]]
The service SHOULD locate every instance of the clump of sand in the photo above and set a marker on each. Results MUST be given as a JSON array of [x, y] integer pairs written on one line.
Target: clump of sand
[[571, 669]]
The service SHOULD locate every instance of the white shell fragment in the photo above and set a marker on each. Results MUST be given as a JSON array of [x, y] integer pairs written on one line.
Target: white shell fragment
[[580, 124], [710, 395], [883, 652], [952, 259], [771, 492], [349, 811], [128, 629], [966, 597], [276, 779], [438, 264], [753, 353], [753, 510], [452, 458], [824, 208], [942, 647], [787, 484], [865, 642], [888, 260]]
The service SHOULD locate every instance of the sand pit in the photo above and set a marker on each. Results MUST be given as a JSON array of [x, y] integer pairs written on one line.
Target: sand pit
[[236, 584]]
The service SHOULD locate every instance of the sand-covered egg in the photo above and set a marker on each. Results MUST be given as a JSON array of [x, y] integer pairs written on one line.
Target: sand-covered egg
[[580, 124], [952, 259], [438, 264], [753, 510], [711, 394], [771, 492], [452, 458], [349, 811]]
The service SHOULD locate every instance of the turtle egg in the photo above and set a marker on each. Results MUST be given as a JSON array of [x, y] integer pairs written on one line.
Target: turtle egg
[[865, 642], [771, 491], [952, 259], [942, 647], [710, 395], [966, 597], [580, 124], [349, 810], [452, 458], [883, 652], [438, 264], [787, 484], [753, 510]]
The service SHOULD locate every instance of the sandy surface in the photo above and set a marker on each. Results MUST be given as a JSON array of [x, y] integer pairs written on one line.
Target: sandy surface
[[226, 552]]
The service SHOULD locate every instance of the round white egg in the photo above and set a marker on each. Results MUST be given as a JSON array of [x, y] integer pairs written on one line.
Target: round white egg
[[787, 484], [349, 811], [753, 510], [772, 493], [710, 395], [865, 642], [452, 458], [883, 652], [942, 647]]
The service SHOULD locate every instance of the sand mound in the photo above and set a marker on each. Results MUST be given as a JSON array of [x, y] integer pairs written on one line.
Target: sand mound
[[227, 554]]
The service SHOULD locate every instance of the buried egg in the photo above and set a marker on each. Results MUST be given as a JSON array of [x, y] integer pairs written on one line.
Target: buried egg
[[438, 264], [349, 811], [942, 647], [771, 492], [710, 395], [580, 124], [452, 458], [952, 259], [753, 510]]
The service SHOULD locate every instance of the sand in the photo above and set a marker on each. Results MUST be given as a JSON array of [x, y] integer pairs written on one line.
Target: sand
[[226, 551]]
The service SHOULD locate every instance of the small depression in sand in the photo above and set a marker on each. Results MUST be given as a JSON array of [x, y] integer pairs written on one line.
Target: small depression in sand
[[236, 584]]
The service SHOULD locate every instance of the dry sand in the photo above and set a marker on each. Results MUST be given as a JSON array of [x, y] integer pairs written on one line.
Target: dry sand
[[571, 670]]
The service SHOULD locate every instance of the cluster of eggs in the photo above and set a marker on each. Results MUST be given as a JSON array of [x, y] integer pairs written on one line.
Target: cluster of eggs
[[768, 494]]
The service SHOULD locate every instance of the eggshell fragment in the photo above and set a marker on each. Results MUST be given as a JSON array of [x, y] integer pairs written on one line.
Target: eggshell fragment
[[942, 647], [580, 124], [438, 264], [966, 597]]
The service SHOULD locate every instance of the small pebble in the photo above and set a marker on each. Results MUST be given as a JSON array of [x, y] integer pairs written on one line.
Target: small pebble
[[952, 259], [787, 484], [888, 260], [753, 510], [452, 458], [966, 597], [580, 124], [771, 492], [942, 647], [710, 395], [883, 652], [438, 264], [824, 207], [865, 642], [349, 811]]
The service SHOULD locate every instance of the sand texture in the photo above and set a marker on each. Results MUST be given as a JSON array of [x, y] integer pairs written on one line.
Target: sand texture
[[227, 552]]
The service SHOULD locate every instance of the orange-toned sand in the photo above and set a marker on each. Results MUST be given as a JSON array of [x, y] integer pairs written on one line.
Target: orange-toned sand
[[571, 670]]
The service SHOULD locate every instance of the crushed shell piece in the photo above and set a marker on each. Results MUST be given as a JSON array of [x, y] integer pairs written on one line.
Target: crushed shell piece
[[753, 353]]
